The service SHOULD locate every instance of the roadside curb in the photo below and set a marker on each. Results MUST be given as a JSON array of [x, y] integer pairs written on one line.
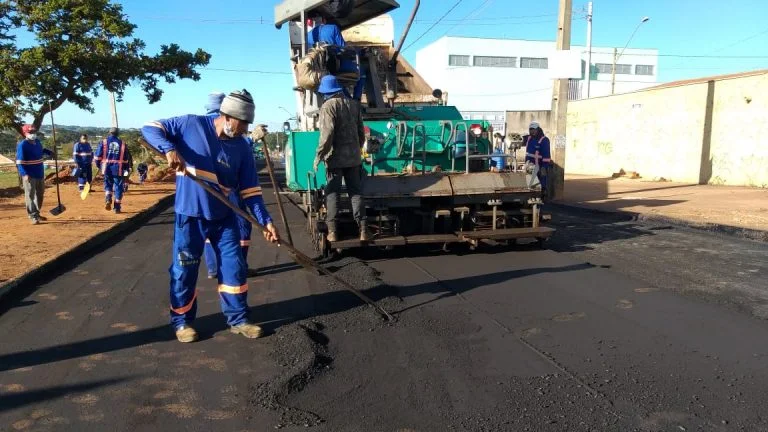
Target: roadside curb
[[68, 257], [733, 231]]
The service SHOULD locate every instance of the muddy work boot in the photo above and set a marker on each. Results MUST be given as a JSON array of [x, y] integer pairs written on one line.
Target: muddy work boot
[[251, 331], [108, 205], [186, 334]]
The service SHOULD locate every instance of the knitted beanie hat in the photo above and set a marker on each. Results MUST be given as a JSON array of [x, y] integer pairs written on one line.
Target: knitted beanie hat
[[239, 105]]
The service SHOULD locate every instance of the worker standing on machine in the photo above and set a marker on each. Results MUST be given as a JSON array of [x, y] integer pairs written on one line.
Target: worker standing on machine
[[328, 33], [341, 140], [537, 151]]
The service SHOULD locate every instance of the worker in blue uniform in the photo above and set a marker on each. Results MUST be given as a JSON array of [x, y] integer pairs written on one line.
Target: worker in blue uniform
[[29, 162], [215, 151], [537, 151], [142, 169], [328, 33], [212, 109], [112, 155], [245, 228], [83, 154], [324, 32]]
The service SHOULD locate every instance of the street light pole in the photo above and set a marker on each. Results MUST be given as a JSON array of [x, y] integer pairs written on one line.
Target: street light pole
[[556, 175], [616, 57], [589, 46]]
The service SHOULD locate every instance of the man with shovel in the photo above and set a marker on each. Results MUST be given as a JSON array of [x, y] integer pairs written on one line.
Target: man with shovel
[[214, 151], [29, 161]]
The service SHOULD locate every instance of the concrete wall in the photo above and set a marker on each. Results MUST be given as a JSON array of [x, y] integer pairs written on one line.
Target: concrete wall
[[704, 132], [518, 121], [739, 149]]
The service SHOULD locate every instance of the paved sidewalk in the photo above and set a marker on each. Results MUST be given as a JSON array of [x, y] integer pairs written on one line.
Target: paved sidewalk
[[719, 207]]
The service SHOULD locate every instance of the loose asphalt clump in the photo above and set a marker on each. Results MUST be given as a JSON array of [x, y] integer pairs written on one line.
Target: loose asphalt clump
[[301, 352]]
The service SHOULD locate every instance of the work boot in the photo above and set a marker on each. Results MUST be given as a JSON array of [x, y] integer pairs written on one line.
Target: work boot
[[186, 334], [251, 331], [108, 205], [118, 210], [364, 234], [35, 221]]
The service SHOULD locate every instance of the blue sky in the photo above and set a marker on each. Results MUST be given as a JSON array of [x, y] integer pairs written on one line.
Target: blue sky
[[240, 36]]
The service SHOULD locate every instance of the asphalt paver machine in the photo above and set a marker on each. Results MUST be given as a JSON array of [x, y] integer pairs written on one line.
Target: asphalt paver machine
[[427, 169]]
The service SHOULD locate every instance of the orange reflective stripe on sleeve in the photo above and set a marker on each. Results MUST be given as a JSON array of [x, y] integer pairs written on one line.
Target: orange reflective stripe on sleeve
[[186, 308], [229, 289], [250, 192]]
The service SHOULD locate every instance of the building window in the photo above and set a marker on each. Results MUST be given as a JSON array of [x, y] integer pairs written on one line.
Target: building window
[[488, 61], [643, 69], [534, 63], [458, 60], [621, 69]]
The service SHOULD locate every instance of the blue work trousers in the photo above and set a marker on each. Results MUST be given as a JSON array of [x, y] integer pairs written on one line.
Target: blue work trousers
[[113, 185], [188, 240], [244, 228], [84, 175]]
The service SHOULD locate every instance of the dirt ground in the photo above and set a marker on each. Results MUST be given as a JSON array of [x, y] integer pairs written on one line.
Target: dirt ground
[[26, 246]]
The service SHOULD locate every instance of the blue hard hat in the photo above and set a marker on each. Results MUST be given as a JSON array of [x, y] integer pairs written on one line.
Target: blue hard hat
[[329, 85]]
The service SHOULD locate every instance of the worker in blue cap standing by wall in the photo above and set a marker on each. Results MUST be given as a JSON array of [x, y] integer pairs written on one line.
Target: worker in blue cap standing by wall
[[341, 140], [537, 152], [113, 155], [215, 151]]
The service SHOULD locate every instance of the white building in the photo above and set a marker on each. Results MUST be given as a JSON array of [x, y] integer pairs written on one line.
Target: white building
[[496, 75]]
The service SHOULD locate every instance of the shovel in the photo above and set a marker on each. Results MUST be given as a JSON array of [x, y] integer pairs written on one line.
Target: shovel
[[59, 209], [86, 191], [297, 255]]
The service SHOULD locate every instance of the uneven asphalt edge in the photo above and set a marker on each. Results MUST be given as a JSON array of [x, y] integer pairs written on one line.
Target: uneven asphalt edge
[[729, 230], [69, 257]]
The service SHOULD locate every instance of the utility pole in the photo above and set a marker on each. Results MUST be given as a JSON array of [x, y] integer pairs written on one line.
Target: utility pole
[[560, 107], [589, 46], [114, 109], [613, 70]]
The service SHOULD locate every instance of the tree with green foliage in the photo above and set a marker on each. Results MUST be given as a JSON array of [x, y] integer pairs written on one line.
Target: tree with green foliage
[[82, 47]]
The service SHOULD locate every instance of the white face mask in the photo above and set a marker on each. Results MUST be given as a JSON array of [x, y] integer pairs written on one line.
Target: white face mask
[[31, 136], [228, 131]]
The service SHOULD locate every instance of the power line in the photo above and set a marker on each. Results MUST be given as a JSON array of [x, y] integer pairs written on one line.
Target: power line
[[483, 19], [248, 71], [434, 25], [474, 13]]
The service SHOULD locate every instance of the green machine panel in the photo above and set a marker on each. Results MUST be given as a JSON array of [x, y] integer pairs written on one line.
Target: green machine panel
[[432, 139]]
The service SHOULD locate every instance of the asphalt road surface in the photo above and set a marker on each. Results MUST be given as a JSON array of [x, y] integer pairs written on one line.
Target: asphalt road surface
[[616, 326]]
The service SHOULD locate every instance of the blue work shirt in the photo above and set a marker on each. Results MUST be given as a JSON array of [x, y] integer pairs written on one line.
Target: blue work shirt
[[540, 145], [112, 155], [325, 33], [82, 153], [226, 164], [29, 158]]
